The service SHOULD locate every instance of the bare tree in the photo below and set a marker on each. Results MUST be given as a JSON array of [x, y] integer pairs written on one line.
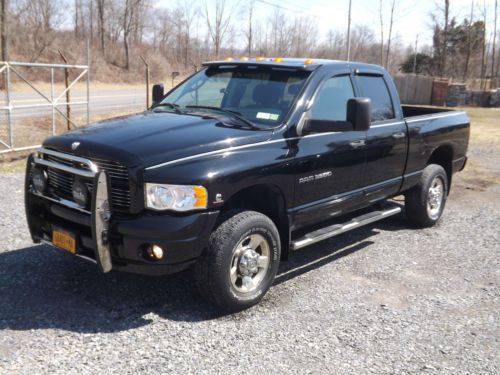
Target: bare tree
[[128, 17], [249, 30], [445, 35], [219, 24], [4, 8], [483, 51], [349, 31], [469, 42], [279, 35], [91, 19], [494, 46], [441, 31], [101, 25], [189, 13], [381, 17], [389, 37]]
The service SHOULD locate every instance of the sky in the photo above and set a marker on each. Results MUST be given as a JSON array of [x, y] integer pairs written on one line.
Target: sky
[[412, 17]]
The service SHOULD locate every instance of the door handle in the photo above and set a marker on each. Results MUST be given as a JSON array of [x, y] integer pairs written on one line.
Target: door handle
[[399, 135], [358, 143]]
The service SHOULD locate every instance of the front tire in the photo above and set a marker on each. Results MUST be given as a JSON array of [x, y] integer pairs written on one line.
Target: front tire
[[240, 262], [425, 202]]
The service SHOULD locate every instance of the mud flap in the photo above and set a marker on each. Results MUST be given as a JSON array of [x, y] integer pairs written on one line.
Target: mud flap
[[101, 215]]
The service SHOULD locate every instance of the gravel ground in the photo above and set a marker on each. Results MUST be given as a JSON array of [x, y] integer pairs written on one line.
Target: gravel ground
[[383, 299]]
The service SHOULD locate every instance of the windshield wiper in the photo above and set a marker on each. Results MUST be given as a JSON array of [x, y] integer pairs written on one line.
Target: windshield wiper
[[175, 107], [234, 114]]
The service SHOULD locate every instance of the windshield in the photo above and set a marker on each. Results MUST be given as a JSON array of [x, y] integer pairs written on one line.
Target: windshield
[[262, 95]]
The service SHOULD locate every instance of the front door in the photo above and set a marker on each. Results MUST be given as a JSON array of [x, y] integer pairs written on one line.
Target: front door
[[329, 165]]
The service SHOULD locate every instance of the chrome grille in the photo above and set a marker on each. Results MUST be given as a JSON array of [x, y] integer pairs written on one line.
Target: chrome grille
[[61, 182]]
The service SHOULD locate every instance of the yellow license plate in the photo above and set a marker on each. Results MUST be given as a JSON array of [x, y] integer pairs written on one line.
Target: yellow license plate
[[64, 240]]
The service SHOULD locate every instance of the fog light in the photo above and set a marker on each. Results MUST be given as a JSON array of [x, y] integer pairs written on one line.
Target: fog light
[[80, 192], [155, 252], [40, 180]]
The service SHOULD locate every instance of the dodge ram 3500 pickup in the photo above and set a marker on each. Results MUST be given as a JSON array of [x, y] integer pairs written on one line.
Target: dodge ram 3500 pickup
[[238, 165]]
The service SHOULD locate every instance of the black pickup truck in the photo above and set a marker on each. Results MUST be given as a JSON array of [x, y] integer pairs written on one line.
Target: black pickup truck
[[238, 165]]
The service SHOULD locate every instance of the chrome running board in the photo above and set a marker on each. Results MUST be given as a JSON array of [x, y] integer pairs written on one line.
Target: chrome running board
[[336, 229]]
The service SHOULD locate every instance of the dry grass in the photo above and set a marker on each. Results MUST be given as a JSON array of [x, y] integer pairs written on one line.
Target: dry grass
[[485, 127]]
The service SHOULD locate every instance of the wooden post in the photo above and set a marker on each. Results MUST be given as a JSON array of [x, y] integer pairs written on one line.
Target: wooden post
[[147, 81], [68, 96]]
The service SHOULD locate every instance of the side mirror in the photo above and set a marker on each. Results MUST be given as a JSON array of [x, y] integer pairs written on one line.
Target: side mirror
[[157, 93], [359, 113]]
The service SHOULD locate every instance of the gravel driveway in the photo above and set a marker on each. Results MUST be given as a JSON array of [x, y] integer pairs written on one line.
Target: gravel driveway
[[383, 299]]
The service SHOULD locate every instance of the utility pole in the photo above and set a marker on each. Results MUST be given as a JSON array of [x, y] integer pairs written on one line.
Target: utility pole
[[349, 32]]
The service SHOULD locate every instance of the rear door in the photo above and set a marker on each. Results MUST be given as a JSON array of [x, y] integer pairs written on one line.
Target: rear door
[[386, 140]]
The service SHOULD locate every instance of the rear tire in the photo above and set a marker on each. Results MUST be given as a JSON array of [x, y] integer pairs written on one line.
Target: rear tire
[[240, 262], [425, 202]]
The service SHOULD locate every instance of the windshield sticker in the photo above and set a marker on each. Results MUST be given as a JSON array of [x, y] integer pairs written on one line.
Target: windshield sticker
[[267, 116]]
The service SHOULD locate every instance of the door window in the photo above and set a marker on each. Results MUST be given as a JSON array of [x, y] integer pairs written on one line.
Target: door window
[[330, 102], [374, 87]]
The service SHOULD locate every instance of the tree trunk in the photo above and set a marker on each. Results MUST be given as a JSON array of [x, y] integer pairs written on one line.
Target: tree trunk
[[445, 37], [125, 36], [250, 31], [381, 34], [469, 43], [100, 15], [390, 34], [91, 21], [77, 18], [4, 8], [483, 51], [494, 46]]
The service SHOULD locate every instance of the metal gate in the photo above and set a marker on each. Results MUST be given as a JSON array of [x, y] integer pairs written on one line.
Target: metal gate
[[8, 68]]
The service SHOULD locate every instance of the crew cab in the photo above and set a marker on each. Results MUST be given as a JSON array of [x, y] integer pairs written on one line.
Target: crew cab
[[237, 166]]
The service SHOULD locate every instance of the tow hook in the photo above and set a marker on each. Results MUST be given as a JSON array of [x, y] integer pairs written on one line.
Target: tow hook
[[105, 237]]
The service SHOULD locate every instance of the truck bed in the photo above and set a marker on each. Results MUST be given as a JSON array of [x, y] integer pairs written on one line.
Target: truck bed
[[414, 111]]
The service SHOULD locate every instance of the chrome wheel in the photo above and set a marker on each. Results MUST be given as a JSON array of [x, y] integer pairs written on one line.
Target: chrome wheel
[[435, 197], [250, 263]]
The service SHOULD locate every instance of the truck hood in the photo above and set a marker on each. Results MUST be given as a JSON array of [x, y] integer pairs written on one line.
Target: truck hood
[[151, 138]]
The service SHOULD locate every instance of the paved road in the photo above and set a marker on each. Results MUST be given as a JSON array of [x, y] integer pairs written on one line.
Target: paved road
[[101, 101]]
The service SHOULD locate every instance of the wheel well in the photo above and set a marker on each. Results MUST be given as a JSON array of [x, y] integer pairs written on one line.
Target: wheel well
[[443, 156], [268, 200]]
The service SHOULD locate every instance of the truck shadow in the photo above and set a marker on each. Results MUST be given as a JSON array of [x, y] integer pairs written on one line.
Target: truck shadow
[[43, 288]]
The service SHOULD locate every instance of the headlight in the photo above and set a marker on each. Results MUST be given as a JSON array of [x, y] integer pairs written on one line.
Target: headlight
[[175, 197], [40, 179]]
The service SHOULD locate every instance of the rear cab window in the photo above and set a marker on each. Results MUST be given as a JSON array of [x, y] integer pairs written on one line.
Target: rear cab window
[[375, 88]]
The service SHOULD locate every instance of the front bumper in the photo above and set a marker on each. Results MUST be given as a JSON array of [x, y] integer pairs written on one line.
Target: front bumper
[[182, 236]]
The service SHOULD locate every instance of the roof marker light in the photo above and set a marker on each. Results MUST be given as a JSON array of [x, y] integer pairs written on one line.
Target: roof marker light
[[260, 58], [278, 59], [244, 58], [228, 59], [308, 61]]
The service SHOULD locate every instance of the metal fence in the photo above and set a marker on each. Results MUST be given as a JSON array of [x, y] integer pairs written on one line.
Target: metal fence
[[53, 101]]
